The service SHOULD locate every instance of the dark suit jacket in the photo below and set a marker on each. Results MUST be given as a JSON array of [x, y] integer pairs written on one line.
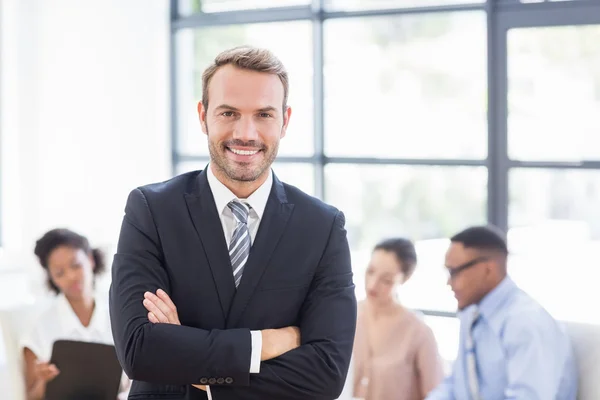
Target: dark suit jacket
[[298, 273]]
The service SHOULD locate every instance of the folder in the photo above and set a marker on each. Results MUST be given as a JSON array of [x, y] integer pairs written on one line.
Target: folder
[[88, 371]]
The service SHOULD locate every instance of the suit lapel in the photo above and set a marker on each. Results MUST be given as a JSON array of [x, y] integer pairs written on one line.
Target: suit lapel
[[204, 214], [275, 218]]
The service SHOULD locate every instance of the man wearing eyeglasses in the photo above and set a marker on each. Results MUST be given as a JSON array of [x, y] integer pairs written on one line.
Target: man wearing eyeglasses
[[510, 347]]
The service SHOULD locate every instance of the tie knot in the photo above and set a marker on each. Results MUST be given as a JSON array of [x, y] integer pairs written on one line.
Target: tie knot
[[240, 210]]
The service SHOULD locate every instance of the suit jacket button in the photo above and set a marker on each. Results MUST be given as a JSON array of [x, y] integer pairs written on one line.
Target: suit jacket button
[[229, 380], [220, 381], [203, 381], [212, 381]]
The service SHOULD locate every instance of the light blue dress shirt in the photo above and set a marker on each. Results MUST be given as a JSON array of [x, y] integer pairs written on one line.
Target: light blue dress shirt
[[521, 351]]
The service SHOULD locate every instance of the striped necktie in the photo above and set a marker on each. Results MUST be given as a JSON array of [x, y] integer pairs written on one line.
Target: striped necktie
[[471, 360], [239, 247]]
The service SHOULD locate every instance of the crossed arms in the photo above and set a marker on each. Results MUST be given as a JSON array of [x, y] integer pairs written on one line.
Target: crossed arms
[[174, 354]]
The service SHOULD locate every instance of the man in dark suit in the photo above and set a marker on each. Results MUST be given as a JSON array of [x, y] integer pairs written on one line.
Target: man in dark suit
[[259, 271]]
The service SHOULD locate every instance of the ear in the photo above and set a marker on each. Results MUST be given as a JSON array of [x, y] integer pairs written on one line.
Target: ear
[[286, 120], [202, 117], [491, 267]]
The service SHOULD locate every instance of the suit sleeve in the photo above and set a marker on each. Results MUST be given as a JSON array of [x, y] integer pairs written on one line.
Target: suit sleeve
[[317, 369], [163, 353]]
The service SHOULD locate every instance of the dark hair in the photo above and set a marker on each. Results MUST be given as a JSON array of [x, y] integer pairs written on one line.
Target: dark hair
[[482, 237], [404, 250], [65, 237]]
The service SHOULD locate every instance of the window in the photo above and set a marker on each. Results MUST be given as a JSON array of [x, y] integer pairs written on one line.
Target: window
[[301, 175], [416, 118], [348, 5], [426, 204], [417, 90], [554, 238], [553, 121], [554, 93], [188, 7]]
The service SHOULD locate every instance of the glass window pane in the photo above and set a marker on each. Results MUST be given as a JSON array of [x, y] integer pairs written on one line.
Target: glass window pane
[[187, 7], [554, 93], [290, 41], [410, 86], [350, 5], [554, 238], [425, 204], [301, 175], [187, 166]]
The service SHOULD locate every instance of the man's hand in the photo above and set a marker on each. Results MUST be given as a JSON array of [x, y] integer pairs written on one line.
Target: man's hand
[[276, 342], [162, 310]]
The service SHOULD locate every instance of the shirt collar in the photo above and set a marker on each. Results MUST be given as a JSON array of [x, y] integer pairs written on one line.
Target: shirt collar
[[490, 304], [222, 194], [72, 322]]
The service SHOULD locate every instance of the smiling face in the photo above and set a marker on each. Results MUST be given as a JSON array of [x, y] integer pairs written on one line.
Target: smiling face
[[244, 122]]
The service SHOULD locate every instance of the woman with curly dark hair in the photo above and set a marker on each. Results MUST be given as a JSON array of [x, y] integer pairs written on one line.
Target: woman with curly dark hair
[[71, 266]]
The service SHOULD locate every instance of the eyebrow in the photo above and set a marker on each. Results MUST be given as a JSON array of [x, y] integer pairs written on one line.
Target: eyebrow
[[226, 107], [267, 109], [231, 108]]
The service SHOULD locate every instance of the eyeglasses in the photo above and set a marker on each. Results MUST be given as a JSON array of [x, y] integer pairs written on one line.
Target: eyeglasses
[[452, 272]]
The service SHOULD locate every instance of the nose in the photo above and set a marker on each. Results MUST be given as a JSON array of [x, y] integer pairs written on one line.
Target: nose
[[72, 277], [245, 129]]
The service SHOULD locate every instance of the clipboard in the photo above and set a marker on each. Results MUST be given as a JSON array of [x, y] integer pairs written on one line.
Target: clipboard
[[88, 371]]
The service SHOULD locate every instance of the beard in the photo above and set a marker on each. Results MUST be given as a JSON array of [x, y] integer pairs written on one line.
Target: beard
[[242, 171]]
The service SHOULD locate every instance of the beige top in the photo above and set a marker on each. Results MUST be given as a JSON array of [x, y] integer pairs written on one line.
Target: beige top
[[402, 364]]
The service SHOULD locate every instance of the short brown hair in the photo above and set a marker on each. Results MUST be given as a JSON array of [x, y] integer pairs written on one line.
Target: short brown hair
[[250, 58]]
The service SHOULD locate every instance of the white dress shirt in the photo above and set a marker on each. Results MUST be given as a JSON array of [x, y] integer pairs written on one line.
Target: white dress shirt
[[59, 321], [257, 201]]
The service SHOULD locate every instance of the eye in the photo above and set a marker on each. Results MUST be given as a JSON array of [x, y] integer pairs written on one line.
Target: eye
[[265, 115], [227, 114]]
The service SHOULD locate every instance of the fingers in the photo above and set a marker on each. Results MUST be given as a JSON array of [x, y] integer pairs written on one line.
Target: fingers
[[165, 297], [46, 371], [152, 307], [161, 307], [153, 318], [53, 372], [160, 303]]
